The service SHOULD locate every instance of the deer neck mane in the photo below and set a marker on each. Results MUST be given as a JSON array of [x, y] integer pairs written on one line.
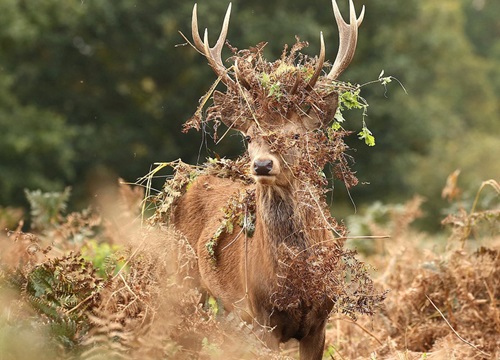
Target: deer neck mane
[[281, 223]]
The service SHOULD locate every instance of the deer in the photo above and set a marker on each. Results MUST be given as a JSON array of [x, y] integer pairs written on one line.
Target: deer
[[245, 275]]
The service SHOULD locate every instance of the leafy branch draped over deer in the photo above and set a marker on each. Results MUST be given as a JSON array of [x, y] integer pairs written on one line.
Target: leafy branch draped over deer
[[267, 246]]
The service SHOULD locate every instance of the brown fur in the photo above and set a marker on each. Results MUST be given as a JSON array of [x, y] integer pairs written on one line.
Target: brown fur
[[245, 275]]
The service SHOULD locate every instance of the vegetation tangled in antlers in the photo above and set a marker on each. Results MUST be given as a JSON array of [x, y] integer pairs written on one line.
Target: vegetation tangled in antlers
[[267, 92]]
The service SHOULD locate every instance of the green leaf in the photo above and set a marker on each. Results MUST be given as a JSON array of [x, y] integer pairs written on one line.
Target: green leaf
[[275, 90], [350, 99], [367, 136], [213, 305], [336, 126], [339, 118], [264, 80]]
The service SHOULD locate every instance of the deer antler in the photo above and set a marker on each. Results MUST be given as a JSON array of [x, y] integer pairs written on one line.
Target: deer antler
[[348, 38], [213, 54]]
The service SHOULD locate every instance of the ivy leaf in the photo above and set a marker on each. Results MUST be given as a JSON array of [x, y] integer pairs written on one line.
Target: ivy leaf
[[367, 136], [350, 99]]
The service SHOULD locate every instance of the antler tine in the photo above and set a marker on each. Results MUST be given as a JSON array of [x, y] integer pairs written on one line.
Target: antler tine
[[348, 37], [213, 54], [195, 32], [319, 65]]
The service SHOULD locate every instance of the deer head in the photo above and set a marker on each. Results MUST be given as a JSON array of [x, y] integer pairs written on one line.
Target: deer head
[[288, 100]]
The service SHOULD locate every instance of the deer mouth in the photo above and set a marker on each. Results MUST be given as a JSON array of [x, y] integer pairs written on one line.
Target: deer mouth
[[265, 179]]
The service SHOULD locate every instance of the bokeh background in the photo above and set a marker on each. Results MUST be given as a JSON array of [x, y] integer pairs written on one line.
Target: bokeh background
[[95, 90]]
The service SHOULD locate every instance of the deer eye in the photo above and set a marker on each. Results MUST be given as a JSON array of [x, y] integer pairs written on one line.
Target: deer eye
[[248, 139]]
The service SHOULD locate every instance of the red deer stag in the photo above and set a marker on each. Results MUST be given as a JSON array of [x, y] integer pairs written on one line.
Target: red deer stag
[[282, 132]]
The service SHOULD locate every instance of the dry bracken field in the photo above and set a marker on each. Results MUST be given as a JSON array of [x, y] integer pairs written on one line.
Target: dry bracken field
[[105, 284]]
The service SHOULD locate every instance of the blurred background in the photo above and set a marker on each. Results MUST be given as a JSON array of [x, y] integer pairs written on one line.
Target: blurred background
[[95, 90]]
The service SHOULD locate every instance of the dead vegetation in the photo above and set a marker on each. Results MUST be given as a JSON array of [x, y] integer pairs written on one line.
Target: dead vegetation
[[138, 300], [269, 93], [96, 285], [444, 294], [325, 270], [99, 285]]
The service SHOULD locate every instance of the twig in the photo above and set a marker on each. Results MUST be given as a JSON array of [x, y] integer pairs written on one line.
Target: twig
[[375, 237], [235, 238], [368, 237], [362, 328], [128, 287], [81, 303], [129, 258], [454, 331]]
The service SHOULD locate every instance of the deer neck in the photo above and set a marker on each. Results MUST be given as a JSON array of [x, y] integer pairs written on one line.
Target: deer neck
[[279, 221]]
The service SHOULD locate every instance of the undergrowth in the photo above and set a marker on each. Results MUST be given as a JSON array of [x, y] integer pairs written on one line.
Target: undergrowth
[[114, 291], [107, 284]]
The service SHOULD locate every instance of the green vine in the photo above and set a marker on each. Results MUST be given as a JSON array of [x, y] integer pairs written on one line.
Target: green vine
[[240, 211]]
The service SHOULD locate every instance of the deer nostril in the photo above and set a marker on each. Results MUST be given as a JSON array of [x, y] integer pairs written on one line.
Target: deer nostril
[[262, 167]]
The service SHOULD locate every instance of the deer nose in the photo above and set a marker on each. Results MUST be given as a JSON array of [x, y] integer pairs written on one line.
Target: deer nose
[[262, 167]]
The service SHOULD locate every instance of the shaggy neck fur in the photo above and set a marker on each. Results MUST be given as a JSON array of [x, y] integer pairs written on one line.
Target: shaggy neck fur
[[281, 221]]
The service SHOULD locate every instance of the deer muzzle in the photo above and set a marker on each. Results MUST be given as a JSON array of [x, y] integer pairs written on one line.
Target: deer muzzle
[[262, 167], [264, 171]]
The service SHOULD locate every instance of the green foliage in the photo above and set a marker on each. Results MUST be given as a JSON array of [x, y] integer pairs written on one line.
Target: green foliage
[[92, 74], [351, 100], [366, 135], [47, 207], [240, 211], [105, 257], [275, 90], [214, 306], [265, 80], [36, 147], [61, 290], [272, 85], [450, 99]]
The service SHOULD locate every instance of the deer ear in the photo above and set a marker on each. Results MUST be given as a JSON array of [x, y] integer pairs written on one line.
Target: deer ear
[[228, 112], [319, 120]]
